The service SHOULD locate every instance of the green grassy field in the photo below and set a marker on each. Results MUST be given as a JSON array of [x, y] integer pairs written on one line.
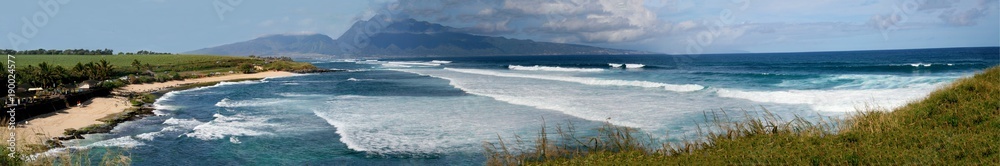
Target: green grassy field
[[121, 60], [160, 63], [956, 125]]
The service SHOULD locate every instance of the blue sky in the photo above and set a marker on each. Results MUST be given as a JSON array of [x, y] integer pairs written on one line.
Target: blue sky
[[667, 26]]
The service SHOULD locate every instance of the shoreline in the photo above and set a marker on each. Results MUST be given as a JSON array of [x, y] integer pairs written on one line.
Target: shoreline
[[38, 130]]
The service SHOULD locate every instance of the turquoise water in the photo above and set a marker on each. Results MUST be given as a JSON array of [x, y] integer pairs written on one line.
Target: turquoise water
[[439, 111]]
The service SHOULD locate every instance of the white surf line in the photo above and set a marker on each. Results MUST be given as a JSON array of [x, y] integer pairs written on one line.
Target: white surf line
[[587, 81], [552, 68]]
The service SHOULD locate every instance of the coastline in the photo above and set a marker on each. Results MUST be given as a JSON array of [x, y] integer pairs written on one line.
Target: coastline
[[39, 129]]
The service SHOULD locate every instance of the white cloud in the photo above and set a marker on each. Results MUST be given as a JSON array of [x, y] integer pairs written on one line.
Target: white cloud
[[592, 21], [601, 21], [685, 25], [667, 25]]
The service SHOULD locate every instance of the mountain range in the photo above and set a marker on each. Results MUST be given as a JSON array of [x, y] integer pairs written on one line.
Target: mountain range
[[400, 38]]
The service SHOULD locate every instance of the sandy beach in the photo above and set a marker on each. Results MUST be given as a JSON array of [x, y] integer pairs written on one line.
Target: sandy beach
[[168, 84], [40, 128]]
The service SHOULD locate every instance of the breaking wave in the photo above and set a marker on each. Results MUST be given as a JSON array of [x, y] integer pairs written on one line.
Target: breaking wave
[[551, 68]]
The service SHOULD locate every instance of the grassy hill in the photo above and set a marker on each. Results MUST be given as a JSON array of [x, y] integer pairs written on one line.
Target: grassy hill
[[121, 60], [161, 63], [955, 125]]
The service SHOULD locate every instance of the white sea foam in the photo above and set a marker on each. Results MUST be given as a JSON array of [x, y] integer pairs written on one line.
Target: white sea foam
[[172, 127], [161, 109], [410, 64], [226, 102], [167, 96], [616, 65], [185, 123], [426, 125], [837, 100], [858, 81], [634, 66], [357, 70], [440, 62], [125, 142], [369, 62], [920, 64], [350, 97], [588, 81], [164, 109], [301, 95], [234, 140], [224, 83], [552, 68], [851, 91], [148, 136], [654, 111], [235, 125], [355, 79]]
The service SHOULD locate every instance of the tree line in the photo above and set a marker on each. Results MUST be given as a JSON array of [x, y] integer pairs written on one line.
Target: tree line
[[59, 52], [77, 52], [144, 52], [47, 76]]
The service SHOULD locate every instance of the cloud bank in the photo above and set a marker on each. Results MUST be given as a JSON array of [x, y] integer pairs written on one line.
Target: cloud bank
[[669, 26]]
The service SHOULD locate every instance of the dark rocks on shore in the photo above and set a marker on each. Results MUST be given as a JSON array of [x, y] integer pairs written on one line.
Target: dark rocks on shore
[[108, 125]]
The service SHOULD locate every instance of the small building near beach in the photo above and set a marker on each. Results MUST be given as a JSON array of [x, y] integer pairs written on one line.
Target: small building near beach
[[87, 84]]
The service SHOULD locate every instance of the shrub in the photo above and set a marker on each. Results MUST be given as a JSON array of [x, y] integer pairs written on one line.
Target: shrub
[[111, 84]]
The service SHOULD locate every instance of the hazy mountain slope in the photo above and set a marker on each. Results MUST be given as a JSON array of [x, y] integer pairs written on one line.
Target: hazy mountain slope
[[401, 38]]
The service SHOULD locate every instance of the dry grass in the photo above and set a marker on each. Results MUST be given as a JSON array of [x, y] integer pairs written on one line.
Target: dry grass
[[956, 125]]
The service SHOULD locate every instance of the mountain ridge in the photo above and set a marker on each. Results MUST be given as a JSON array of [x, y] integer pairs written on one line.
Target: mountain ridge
[[401, 38]]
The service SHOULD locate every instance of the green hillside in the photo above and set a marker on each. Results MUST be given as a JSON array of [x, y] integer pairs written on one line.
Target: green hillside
[[120, 60]]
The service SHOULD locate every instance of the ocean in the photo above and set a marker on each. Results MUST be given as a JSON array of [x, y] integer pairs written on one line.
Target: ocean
[[440, 111]]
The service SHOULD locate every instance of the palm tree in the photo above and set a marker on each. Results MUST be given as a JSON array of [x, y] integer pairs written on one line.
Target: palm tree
[[45, 74], [60, 75], [137, 65], [103, 69], [91, 70], [80, 71], [28, 75]]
